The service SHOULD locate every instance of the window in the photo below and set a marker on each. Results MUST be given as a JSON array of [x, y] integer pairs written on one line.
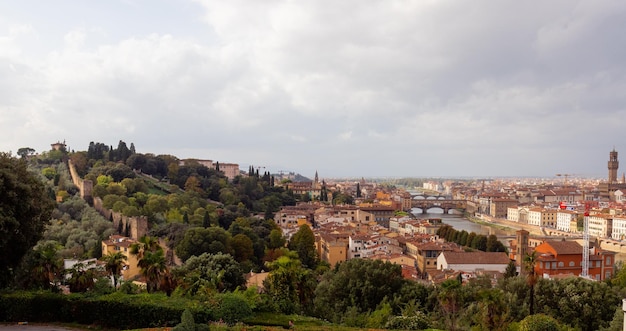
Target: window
[[561, 264], [553, 265], [598, 264], [608, 260], [571, 263]]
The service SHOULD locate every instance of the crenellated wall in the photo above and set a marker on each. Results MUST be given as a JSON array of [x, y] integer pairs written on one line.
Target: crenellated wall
[[137, 226]]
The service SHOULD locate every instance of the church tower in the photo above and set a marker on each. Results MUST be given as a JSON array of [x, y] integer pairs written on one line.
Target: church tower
[[613, 166]]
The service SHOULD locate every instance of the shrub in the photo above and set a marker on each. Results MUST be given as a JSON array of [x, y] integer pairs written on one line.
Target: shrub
[[539, 322], [417, 322], [233, 308]]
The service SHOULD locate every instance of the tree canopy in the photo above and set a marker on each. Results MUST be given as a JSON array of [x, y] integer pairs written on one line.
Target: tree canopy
[[25, 208]]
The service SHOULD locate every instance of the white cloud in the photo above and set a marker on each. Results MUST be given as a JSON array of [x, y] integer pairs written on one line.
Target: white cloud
[[278, 81]]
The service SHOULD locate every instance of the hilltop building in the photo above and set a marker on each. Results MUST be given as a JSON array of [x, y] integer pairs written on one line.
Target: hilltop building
[[230, 170]]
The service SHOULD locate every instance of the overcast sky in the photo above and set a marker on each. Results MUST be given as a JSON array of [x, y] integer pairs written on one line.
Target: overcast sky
[[348, 88]]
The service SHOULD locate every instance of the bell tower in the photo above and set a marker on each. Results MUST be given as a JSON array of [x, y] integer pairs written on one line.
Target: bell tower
[[613, 166]]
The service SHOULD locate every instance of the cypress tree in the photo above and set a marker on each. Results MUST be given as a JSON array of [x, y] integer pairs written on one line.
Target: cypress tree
[[206, 221]]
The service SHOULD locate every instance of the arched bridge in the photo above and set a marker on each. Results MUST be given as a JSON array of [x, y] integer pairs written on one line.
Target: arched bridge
[[446, 205]]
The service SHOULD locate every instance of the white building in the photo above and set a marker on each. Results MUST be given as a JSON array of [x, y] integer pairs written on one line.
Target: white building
[[473, 261], [534, 216], [600, 226], [619, 228], [564, 220]]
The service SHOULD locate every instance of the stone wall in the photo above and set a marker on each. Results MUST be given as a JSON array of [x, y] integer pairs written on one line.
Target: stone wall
[[137, 225], [85, 187]]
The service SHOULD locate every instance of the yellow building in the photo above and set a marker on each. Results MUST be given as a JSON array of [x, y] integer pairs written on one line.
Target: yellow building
[[117, 243], [332, 247]]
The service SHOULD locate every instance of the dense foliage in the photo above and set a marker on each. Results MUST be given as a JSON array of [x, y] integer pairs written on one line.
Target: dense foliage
[[472, 240], [25, 208], [222, 230]]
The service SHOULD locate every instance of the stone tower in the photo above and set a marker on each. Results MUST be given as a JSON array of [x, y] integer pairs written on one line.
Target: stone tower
[[613, 166], [522, 238]]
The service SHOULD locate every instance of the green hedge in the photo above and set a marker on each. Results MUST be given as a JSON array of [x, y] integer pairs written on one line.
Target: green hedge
[[117, 310]]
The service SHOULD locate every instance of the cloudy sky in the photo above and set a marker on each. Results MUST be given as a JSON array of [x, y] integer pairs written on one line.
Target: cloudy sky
[[347, 88]]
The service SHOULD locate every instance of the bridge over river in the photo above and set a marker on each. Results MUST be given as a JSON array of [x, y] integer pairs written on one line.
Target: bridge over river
[[445, 204]]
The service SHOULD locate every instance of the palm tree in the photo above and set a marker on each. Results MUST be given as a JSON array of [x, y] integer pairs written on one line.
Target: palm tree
[[49, 266], [153, 268], [151, 259], [114, 263], [531, 277], [145, 243], [81, 278]]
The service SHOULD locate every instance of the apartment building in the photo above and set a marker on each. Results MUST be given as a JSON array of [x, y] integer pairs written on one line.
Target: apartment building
[[542, 217], [619, 228], [600, 225], [560, 258], [117, 243], [499, 207], [332, 247], [565, 219]]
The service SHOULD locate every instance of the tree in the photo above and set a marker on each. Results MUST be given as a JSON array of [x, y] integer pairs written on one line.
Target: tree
[[539, 322], [151, 260], [531, 277], [511, 270], [81, 278], [583, 304], [359, 283], [25, 209], [114, 262], [153, 268], [25, 151], [210, 272], [276, 239], [303, 243], [48, 265], [199, 240], [289, 285], [206, 220], [242, 247]]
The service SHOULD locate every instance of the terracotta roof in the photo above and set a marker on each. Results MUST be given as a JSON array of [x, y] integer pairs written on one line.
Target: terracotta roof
[[565, 247], [476, 257]]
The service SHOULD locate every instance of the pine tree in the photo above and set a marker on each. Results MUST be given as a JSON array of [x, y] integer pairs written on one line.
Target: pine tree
[[217, 166], [358, 190]]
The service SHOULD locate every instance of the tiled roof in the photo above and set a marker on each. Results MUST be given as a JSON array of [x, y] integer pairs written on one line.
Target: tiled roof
[[476, 257], [565, 247]]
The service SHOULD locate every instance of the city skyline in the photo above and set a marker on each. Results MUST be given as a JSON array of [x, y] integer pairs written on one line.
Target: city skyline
[[351, 89]]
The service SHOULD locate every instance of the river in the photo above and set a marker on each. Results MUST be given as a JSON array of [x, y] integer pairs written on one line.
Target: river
[[460, 223]]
